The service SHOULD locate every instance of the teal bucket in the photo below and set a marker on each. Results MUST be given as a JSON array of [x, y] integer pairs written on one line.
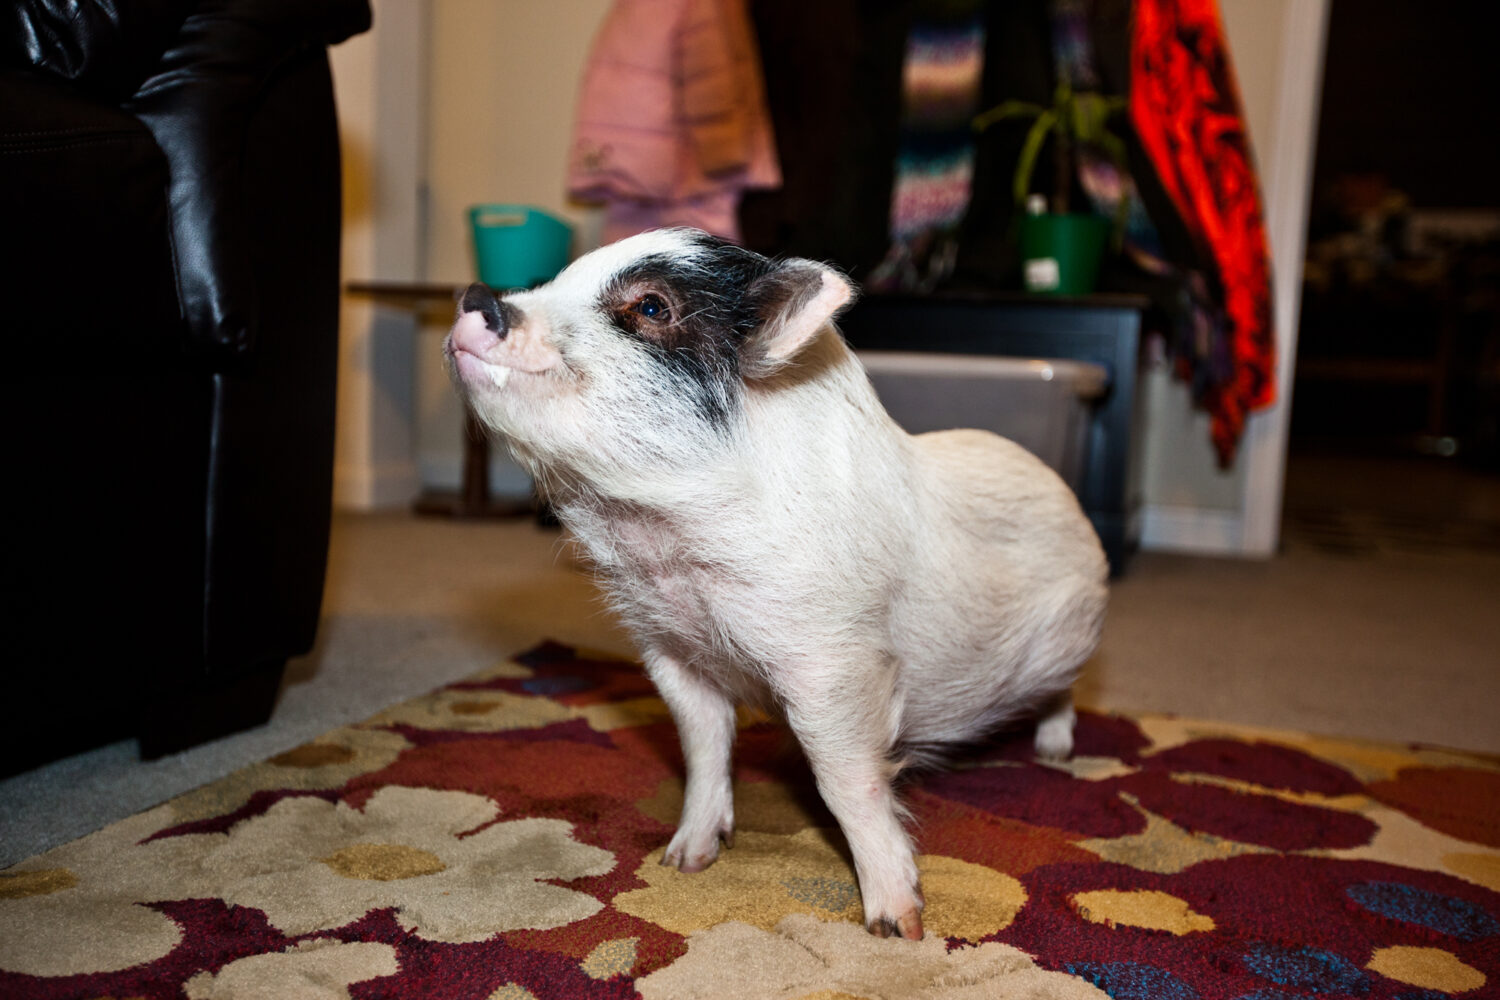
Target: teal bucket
[[517, 246]]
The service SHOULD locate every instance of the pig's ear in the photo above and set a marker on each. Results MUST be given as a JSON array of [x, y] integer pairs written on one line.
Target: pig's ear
[[793, 302]]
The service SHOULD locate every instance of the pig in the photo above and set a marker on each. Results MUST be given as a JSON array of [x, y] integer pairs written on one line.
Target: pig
[[770, 536]]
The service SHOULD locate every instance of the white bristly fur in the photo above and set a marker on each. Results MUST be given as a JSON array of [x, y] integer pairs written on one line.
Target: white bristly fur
[[888, 595]]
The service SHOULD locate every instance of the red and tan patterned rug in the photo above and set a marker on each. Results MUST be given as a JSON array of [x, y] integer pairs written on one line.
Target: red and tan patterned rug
[[499, 839]]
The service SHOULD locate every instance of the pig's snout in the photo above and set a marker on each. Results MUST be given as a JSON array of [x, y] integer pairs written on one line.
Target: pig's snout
[[478, 298], [491, 338]]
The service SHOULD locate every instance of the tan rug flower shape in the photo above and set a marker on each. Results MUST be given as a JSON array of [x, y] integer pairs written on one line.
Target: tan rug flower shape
[[806, 958], [451, 872]]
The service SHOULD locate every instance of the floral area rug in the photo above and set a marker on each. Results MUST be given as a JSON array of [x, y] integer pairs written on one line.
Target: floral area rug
[[499, 839]]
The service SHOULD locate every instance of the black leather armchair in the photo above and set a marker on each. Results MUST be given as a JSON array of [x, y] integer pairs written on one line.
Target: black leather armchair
[[169, 226]]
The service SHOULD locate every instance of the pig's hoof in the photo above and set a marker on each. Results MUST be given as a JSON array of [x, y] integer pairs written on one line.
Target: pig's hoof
[[908, 925], [690, 863], [1054, 735], [1054, 738], [688, 856], [1053, 746]]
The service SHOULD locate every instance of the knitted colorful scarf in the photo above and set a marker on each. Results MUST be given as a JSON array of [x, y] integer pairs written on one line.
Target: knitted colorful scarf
[[941, 79]]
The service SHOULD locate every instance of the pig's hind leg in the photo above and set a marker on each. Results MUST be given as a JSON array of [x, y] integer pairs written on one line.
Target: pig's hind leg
[[706, 728], [1054, 731]]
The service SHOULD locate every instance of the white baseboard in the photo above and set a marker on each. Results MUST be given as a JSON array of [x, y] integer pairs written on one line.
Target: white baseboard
[[1193, 530], [361, 487], [508, 480]]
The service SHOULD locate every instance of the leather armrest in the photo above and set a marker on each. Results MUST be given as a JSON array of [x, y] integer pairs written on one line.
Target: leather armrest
[[198, 104], [199, 70], [106, 47], [89, 269]]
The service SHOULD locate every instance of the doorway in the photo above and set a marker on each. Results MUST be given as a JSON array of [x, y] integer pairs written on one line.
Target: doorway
[[1395, 423]]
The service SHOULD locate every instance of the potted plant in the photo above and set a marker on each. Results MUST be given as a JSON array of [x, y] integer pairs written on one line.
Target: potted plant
[[1060, 249]]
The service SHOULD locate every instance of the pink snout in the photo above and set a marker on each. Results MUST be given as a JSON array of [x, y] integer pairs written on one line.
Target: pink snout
[[495, 334]]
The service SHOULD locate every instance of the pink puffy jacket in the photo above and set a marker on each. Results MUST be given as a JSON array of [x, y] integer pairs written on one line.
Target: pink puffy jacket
[[672, 123]]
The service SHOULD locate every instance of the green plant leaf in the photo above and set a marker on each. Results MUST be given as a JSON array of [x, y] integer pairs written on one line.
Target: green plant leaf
[[1026, 162], [1008, 109], [1079, 118], [1091, 114]]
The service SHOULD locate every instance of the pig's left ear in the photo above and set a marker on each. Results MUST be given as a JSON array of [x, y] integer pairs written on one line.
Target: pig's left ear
[[793, 302]]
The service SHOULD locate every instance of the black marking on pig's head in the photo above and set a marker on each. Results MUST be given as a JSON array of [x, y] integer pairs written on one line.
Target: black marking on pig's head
[[693, 311]]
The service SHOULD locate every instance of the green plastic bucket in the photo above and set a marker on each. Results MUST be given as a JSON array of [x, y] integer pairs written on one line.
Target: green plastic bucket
[[1060, 254], [518, 246]]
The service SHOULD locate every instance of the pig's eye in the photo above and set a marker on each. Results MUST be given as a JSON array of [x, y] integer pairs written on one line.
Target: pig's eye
[[652, 307]]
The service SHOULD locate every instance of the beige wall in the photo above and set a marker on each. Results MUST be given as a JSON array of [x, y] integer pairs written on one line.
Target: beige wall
[[379, 83], [502, 83], [354, 73]]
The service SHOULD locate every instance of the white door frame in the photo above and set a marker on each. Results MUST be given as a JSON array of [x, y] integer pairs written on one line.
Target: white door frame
[[1287, 182]]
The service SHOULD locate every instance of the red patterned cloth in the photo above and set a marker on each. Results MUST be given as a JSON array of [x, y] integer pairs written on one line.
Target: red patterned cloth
[[1186, 109]]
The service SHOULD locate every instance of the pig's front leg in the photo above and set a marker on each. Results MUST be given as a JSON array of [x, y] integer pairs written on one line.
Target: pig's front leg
[[705, 726], [847, 730]]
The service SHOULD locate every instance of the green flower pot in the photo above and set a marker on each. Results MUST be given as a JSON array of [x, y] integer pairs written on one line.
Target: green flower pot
[[1060, 254]]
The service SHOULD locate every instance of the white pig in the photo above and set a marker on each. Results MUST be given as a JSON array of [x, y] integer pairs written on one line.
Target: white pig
[[769, 535]]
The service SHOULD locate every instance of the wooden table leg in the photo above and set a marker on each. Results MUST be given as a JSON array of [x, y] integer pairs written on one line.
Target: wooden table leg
[[473, 499]]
